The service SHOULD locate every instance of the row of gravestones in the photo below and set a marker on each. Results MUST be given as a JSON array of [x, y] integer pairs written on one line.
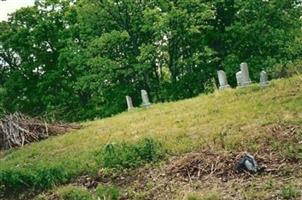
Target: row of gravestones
[[242, 77]]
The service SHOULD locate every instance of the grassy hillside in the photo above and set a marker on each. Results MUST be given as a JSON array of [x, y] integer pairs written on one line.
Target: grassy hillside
[[230, 121]]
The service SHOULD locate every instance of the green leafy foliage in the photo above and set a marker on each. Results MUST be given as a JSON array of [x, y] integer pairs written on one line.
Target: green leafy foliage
[[127, 155], [77, 60], [21, 179], [2, 96]]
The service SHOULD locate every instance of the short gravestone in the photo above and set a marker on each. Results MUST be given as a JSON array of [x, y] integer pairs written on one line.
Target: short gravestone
[[145, 98], [239, 79], [245, 74], [129, 102], [223, 82], [263, 79]]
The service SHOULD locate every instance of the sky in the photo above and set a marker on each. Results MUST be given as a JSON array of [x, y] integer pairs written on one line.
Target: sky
[[9, 6]]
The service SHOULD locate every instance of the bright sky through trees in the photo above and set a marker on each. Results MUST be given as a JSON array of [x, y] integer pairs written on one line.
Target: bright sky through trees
[[9, 6]]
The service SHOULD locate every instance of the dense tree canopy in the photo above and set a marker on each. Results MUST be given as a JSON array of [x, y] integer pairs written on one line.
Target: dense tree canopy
[[76, 60]]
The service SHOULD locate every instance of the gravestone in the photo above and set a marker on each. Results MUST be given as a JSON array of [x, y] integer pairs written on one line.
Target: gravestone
[[245, 74], [263, 79], [129, 102], [223, 82], [145, 98], [239, 79]]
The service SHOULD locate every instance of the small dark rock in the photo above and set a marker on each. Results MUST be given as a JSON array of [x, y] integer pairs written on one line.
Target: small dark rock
[[247, 163]]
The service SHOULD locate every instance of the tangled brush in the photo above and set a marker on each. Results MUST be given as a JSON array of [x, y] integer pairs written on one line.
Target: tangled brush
[[16, 130]]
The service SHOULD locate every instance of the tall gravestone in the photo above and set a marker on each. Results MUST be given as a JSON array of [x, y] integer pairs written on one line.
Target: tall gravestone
[[129, 102], [245, 75], [223, 82], [263, 78], [145, 98]]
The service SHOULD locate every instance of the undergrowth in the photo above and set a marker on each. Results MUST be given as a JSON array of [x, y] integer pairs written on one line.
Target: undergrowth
[[117, 156], [14, 180], [130, 155]]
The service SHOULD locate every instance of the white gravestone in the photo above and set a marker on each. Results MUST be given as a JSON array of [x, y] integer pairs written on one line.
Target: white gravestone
[[145, 98], [245, 74], [223, 82], [239, 79], [263, 79], [129, 102]]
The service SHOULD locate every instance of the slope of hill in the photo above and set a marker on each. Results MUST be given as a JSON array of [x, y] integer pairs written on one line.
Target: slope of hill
[[202, 138]]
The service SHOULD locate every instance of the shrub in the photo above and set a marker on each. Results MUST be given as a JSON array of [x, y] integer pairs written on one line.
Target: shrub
[[286, 70], [210, 86], [107, 192], [126, 155], [14, 180]]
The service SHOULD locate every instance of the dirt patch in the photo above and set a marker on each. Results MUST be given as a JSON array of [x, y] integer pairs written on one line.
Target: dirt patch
[[206, 163], [197, 170], [285, 132], [206, 169], [222, 165], [87, 181]]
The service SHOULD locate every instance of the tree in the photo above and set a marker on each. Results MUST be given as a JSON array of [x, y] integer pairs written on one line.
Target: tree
[[76, 60], [35, 36], [259, 32]]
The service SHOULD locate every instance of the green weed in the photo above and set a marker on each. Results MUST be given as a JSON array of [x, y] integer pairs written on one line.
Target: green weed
[[20, 179], [75, 193], [107, 192], [289, 192], [130, 155]]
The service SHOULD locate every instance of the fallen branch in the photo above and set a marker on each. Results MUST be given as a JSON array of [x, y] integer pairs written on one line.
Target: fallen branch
[[17, 130]]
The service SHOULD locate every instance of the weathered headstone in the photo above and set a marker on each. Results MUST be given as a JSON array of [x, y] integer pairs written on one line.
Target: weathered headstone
[[223, 82], [245, 74], [263, 78], [129, 102], [239, 78], [145, 98]]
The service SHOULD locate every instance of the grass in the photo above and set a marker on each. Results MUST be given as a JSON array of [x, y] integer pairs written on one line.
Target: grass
[[231, 119], [74, 193], [128, 155], [107, 192], [289, 192], [70, 192], [209, 196]]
